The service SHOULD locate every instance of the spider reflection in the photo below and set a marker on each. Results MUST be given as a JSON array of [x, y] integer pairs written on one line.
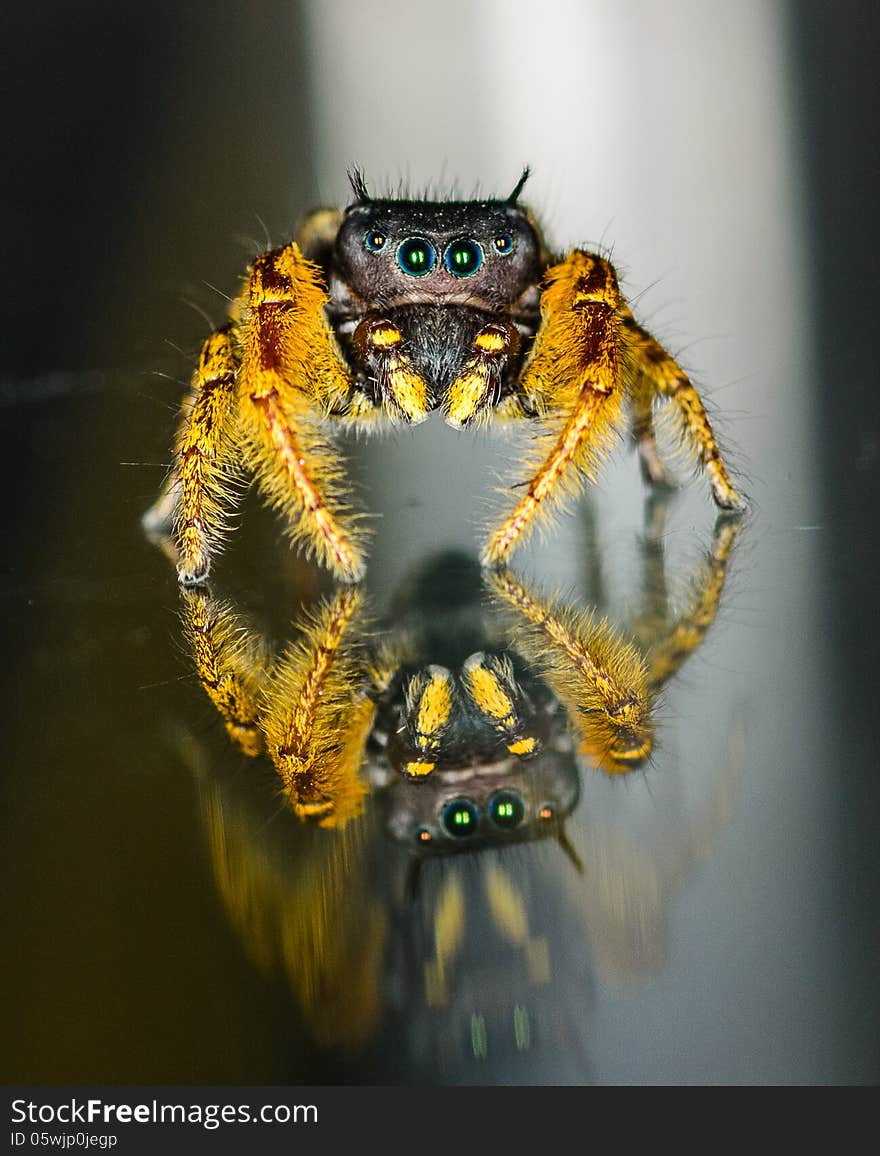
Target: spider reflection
[[462, 724]]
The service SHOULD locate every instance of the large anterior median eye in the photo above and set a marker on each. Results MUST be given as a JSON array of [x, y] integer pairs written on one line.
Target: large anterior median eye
[[463, 258], [506, 809], [461, 818], [416, 256]]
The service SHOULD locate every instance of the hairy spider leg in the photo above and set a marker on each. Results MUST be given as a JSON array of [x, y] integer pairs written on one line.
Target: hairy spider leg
[[599, 678], [657, 370], [642, 395], [292, 374], [207, 472], [231, 663], [318, 714], [672, 645], [576, 371], [188, 519]]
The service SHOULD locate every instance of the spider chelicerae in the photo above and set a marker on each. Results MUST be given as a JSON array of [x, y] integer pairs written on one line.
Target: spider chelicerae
[[391, 309]]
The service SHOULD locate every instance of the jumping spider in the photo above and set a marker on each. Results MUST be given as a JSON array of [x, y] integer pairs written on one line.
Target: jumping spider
[[490, 713], [392, 309]]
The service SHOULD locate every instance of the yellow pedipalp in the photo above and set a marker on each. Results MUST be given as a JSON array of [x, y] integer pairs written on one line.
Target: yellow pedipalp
[[487, 691], [434, 704]]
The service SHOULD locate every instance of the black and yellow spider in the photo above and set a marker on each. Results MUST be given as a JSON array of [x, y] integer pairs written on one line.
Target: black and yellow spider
[[484, 712], [411, 905], [386, 312]]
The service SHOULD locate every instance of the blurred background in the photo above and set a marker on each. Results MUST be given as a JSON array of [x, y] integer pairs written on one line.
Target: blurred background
[[727, 155]]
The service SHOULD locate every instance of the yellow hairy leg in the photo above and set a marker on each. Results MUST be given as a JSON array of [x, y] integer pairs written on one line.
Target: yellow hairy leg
[[291, 375], [672, 646], [318, 717], [642, 394], [576, 371], [600, 679], [662, 375], [206, 471], [230, 665]]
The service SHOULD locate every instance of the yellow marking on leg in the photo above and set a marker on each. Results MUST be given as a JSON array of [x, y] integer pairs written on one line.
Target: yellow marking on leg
[[325, 645], [318, 231]]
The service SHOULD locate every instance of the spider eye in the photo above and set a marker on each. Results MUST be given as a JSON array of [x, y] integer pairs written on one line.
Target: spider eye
[[416, 257], [503, 244], [375, 240], [463, 258], [506, 809], [460, 818]]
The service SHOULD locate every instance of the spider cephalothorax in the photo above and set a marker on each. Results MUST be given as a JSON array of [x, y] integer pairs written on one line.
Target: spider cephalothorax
[[388, 311]]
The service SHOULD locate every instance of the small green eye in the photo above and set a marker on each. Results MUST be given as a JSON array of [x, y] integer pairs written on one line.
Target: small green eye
[[460, 818], [463, 258], [375, 240], [506, 809], [503, 244], [416, 257]]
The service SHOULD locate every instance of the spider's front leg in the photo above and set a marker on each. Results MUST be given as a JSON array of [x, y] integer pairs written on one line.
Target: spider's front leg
[[588, 355], [669, 644], [231, 662], [576, 371], [311, 711], [292, 376], [600, 679], [320, 705], [189, 517]]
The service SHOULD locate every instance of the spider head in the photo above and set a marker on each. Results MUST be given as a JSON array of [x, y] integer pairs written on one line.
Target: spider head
[[486, 254]]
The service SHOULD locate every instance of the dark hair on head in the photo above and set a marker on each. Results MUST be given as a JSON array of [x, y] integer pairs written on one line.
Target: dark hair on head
[[518, 187], [358, 183]]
